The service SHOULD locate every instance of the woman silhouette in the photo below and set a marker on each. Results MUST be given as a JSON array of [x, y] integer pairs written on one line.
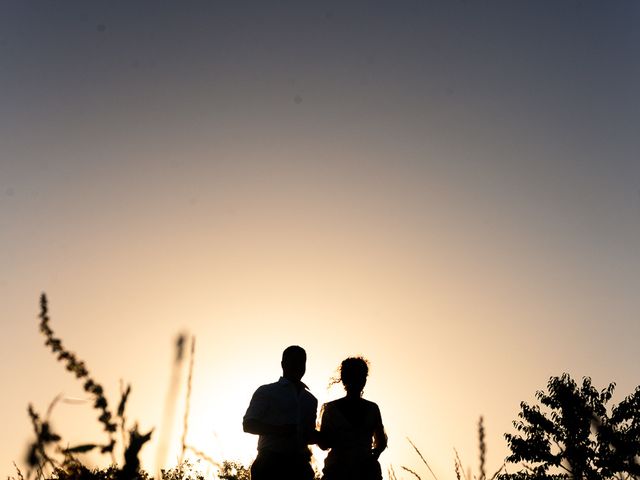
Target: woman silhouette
[[352, 428]]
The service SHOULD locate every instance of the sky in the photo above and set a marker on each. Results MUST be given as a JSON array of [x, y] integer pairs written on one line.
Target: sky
[[449, 188]]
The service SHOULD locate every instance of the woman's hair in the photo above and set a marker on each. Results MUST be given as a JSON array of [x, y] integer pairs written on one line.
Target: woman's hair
[[352, 370]]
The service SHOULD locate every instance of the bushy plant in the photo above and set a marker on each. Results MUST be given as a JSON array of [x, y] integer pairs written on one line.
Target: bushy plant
[[234, 471], [571, 434]]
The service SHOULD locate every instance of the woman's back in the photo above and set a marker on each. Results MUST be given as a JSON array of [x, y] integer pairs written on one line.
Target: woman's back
[[350, 423], [350, 427]]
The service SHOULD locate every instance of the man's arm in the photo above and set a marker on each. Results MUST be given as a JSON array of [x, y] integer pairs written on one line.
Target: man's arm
[[311, 436]]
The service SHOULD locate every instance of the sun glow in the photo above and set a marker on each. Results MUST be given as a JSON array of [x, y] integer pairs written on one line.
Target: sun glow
[[215, 424]]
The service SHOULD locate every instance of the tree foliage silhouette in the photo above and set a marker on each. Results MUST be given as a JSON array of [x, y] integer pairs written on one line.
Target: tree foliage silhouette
[[571, 434]]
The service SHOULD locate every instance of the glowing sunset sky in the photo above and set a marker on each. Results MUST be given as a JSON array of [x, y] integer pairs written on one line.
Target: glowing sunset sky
[[449, 188]]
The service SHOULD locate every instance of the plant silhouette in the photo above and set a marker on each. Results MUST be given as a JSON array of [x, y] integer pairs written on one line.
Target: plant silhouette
[[571, 434], [132, 440]]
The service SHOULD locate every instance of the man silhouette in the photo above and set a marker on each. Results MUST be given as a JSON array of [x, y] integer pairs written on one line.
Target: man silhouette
[[283, 414]]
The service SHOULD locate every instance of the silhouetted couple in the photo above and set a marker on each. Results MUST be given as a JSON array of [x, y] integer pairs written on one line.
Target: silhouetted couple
[[283, 414]]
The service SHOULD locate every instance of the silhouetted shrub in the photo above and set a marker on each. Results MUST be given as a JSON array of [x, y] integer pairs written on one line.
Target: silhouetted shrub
[[571, 434]]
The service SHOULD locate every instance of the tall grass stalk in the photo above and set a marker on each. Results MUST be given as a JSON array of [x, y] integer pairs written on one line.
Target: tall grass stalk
[[422, 458], [483, 449], [78, 367], [456, 468], [458, 462], [170, 406], [185, 420], [18, 471], [406, 469]]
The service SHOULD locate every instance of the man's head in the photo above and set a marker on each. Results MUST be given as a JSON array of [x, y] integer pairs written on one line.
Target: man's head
[[294, 363]]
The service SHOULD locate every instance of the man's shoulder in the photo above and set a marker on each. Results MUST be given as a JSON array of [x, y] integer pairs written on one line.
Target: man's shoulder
[[310, 397], [280, 388], [268, 387]]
